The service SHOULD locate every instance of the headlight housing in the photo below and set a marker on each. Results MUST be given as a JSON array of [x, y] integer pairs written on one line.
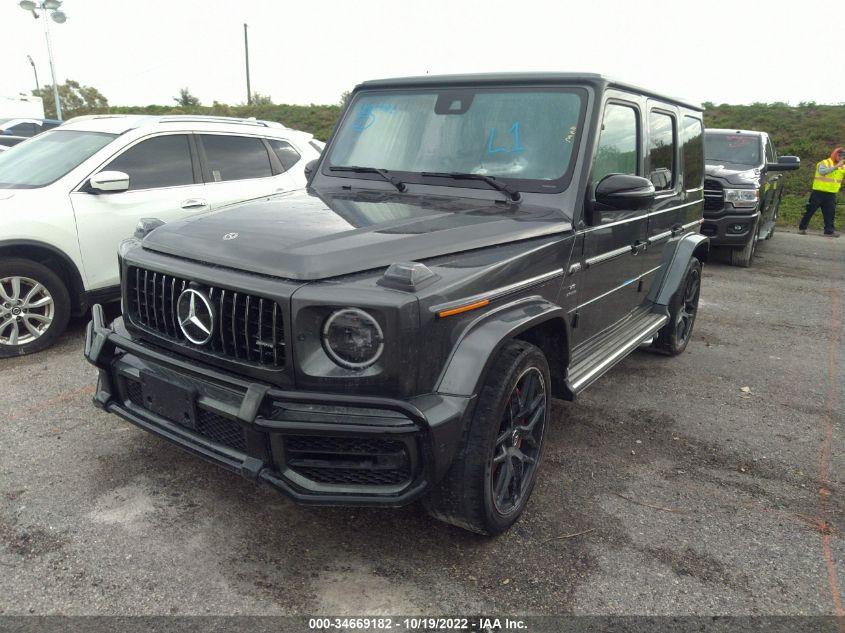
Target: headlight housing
[[742, 197], [353, 338]]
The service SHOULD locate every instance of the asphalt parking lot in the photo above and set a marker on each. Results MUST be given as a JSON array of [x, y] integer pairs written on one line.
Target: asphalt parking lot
[[710, 483]]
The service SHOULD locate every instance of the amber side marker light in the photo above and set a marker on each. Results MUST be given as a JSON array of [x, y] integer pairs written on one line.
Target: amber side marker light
[[470, 306]]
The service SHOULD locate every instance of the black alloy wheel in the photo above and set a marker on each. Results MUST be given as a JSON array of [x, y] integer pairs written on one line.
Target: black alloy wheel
[[516, 454]]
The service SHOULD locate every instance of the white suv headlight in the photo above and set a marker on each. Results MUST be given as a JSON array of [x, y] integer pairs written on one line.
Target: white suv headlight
[[742, 197]]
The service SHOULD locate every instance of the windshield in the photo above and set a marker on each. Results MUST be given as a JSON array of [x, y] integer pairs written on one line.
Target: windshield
[[47, 157], [525, 134], [739, 149]]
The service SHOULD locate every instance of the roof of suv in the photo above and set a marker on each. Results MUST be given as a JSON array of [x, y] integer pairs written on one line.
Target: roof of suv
[[482, 79], [120, 123]]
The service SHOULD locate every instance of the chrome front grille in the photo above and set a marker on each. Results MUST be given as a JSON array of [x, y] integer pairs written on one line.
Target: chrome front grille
[[246, 327], [714, 195]]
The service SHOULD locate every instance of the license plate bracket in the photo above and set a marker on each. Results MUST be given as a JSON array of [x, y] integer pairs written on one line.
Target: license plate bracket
[[171, 401]]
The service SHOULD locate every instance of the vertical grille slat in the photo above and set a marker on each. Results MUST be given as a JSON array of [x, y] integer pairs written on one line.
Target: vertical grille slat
[[163, 304], [235, 323], [174, 312], [260, 330], [246, 328], [239, 334], [221, 313], [146, 298], [275, 336], [152, 292]]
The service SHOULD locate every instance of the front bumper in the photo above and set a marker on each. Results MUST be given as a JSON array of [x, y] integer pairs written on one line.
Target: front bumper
[[318, 448], [730, 230]]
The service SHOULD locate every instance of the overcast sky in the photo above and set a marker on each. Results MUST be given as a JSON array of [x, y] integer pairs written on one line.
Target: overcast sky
[[142, 52]]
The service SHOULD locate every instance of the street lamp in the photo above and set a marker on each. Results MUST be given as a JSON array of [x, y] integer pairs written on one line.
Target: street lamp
[[35, 70], [59, 17]]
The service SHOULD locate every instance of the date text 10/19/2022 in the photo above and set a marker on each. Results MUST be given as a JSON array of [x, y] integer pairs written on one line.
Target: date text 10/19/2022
[[483, 624]]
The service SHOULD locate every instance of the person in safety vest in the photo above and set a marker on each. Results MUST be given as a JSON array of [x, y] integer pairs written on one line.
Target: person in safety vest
[[826, 184]]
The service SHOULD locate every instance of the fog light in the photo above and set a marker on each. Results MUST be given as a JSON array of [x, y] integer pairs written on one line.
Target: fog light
[[736, 228]]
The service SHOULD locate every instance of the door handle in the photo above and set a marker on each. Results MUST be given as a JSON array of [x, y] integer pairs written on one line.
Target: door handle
[[194, 203]]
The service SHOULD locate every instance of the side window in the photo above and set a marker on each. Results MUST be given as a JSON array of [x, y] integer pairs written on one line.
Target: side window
[[285, 152], [693, 151], [162, 161], [661, 150], [771, 156], [23, 129], [617, 151], [236, 157]]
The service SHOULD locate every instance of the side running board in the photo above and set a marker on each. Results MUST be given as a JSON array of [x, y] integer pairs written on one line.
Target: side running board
[[599, 356]]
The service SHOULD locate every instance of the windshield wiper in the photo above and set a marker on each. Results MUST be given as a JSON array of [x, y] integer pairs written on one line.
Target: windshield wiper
[[512, 194], [400, 186]]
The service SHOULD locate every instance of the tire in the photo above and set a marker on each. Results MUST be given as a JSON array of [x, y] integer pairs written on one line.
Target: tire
[[672, 339], [743, 257], [48, 309], [494, 444]]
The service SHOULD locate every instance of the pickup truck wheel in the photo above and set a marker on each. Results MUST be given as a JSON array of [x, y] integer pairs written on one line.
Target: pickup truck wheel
[[742, 257], [494, 471], [673, 337], [34, 307]]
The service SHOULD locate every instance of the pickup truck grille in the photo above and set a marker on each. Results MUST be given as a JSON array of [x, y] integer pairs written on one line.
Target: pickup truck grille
[[246, 327], [714, 195]]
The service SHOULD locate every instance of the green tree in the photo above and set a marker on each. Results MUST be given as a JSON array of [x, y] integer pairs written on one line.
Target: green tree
[[259, 99], [75, 99], [186, 99]]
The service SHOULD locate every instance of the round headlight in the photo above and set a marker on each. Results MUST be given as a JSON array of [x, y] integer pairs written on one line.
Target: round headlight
[[352, 338]]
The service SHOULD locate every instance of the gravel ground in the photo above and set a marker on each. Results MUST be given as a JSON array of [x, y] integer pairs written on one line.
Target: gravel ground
[[686, 493]]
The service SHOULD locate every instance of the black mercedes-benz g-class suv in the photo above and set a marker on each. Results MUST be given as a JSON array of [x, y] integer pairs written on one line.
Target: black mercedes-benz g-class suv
[[468, 248], [742, 190]]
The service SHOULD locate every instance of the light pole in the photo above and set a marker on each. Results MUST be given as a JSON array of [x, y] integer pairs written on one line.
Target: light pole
[[59, 17], [34, 70], [246, 55]]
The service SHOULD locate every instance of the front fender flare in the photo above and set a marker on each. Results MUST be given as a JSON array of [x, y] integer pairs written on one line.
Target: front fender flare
[[673, 267], [480, 343]]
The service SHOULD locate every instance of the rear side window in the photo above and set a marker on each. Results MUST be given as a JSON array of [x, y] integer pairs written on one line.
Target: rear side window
[[661, 150], [617, 150], [285, 152], [771, 156], [23, 129], [236, 157], [163, 161], [693, 152]]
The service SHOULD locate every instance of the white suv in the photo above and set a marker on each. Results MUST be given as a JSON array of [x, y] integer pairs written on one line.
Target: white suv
[[70, 195]]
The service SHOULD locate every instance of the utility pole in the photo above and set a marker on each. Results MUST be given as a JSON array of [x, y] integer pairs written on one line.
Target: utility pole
[[246, 54], [52, 67], [34, 70], [52, 9]]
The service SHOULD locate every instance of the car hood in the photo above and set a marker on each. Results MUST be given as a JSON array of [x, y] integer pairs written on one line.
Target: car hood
[[733, 173], [308, 235]]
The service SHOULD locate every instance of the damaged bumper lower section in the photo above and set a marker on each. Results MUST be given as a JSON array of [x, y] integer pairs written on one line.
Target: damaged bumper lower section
[[318, 448]]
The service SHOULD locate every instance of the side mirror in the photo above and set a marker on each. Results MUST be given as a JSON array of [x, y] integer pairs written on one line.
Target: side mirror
[[621, 191], [310, 168], [785, 163], [109, 181]]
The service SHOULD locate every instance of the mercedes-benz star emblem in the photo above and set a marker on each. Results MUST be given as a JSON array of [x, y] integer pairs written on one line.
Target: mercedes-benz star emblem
[[230, 236], [196, 316]]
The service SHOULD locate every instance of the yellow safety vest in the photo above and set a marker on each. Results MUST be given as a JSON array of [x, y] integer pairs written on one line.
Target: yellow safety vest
[[830, 182]]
